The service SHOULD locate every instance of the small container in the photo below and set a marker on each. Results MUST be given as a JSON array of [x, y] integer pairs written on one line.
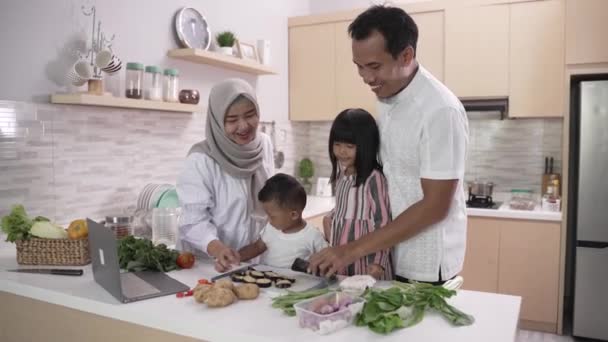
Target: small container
[[120, 225], [189, 96], [308, 316], [134, 80], [171, 86], [154, 84], [522, 199]]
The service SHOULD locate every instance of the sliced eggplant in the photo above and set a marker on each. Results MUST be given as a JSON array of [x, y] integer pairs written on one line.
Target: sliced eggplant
[[237, 278], [257, 274], [241, 273], [290, 279], [263, 282], [271, 275], [283, 284], [249, 279]]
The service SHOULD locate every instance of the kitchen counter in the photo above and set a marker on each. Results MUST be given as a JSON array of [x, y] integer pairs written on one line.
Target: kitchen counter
[[316, 205], [185, 320]]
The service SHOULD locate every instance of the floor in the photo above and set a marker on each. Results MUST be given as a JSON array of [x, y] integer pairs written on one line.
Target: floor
[[535, 336]]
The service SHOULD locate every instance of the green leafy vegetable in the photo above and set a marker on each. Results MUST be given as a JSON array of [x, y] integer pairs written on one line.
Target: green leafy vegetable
[[286, 302], [141, 254], [17, 224], [404, 305]]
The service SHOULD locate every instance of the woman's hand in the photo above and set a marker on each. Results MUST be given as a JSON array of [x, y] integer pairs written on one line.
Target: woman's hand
[[224, 256]]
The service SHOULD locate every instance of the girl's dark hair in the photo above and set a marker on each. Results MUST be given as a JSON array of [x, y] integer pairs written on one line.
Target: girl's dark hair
[[397, 27], [357, 127]]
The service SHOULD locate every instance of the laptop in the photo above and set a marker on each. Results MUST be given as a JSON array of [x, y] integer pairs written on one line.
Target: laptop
[[125, 286]]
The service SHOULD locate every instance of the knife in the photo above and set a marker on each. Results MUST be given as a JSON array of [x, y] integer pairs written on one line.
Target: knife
[[551, 165], [546, 165], [56, 271], [233, 271]]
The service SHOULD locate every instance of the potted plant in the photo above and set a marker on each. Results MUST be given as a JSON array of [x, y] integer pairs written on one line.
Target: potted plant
[[306, 170], [225, 40]]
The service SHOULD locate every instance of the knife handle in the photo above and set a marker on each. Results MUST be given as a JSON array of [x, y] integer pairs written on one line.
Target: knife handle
[[67, 272]]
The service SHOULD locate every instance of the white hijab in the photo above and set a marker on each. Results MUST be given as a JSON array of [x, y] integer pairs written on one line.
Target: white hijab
[[240, 161]]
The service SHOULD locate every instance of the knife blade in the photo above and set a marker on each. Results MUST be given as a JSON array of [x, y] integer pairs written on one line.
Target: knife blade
[[55, 271], [231, 272], [551, 165], [546, 165]]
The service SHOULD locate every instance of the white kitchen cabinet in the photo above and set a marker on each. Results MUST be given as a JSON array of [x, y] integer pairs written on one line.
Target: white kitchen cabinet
[[431, 41], [481, 259], [477, 51]]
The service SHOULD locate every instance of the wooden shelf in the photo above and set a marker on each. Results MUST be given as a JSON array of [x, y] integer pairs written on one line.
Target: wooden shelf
[[222, 61], [122, 102]]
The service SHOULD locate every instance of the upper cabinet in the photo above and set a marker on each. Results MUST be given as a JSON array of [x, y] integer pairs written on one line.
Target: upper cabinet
[[586, 28], [431, 40], [477, 51], [536, 59], [351, 91], [312, 92]]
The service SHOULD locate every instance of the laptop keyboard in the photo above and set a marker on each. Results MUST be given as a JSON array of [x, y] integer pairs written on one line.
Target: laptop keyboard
[[133, 286]]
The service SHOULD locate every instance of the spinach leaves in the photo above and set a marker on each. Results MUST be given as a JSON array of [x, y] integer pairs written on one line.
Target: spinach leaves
[[141, 254]]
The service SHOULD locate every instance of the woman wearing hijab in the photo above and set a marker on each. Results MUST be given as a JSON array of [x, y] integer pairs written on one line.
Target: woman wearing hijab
[[223, 174]]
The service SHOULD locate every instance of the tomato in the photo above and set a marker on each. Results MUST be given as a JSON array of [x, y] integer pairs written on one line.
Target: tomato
[[204, 281], [185, 260]]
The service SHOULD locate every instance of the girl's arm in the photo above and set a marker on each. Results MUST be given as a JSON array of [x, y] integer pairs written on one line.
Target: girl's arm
[[327, 224], [377, 193]]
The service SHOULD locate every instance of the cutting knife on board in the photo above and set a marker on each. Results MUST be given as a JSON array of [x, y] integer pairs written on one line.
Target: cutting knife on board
[[55, 271], [232, 271]]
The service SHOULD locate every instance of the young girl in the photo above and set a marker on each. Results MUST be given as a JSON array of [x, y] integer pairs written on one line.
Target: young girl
[[362, 203]]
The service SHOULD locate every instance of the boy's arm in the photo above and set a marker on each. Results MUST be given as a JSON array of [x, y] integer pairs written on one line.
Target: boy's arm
[[252, 250]]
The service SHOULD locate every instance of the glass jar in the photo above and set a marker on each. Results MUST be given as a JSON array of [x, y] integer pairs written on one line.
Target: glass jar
[[171, 88], [154, 85], [134, 80], [121, 225]]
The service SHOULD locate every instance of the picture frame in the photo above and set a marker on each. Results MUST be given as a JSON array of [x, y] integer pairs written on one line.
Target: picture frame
[[247, 51]]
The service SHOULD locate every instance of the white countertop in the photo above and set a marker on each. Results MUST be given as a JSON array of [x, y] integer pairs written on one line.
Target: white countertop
[[316, 205], [496, 315]]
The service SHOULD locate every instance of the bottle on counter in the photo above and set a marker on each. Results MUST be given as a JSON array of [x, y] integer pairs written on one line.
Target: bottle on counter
[[551, 200], [171, 88], [134, 80], [154, 85]]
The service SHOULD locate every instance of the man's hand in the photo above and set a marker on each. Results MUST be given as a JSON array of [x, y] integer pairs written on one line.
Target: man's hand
[[330, 260], [224, 256]]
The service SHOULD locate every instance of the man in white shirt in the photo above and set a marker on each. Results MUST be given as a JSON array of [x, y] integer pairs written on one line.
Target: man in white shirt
[[424, 136]]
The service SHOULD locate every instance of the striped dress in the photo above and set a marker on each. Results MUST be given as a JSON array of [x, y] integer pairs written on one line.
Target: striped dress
[[361, 210]]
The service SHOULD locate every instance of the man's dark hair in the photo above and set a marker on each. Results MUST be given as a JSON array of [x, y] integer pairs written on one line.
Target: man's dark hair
[[285, 190], [397, 27]]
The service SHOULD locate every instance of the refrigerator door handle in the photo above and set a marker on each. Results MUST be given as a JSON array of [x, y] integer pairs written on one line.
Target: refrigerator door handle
[[592, 244]]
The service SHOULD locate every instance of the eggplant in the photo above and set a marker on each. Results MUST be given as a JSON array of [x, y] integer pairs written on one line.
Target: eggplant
[[256, 274], [282, 284], [263, 282], [249, 279], [272, 276], [237, 278]]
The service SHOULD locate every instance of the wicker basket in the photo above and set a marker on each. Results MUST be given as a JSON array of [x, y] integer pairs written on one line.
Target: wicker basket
[[53, 252]]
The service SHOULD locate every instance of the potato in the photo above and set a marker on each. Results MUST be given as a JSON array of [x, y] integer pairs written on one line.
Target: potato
[[219, 297], [200, 292], [247, 291], [224, 283]]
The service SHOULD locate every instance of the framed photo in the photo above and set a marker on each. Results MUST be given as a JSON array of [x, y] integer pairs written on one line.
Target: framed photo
[[247, 51]]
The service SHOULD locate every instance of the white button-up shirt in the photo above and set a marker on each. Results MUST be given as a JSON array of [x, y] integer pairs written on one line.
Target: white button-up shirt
[[214, 203], [424, 134]]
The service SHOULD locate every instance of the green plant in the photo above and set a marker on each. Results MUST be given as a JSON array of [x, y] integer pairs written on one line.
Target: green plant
[[225, 39], [306, 169]]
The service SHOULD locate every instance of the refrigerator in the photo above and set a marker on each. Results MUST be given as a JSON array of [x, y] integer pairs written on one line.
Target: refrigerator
[[588, 206]]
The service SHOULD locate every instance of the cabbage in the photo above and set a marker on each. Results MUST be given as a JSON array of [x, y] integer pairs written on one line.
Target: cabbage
[[47, 230]]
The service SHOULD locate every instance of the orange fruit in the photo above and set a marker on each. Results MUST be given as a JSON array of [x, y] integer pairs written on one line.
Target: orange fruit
[[78, 230]]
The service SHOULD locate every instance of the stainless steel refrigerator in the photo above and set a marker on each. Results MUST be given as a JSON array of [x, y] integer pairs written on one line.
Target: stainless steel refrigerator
[[589, 206]]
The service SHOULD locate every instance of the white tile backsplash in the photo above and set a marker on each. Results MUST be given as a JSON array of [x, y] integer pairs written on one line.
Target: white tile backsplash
[[69, 162]]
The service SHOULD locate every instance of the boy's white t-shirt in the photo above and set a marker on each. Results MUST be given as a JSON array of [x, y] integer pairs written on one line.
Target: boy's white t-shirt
[[282, 249]]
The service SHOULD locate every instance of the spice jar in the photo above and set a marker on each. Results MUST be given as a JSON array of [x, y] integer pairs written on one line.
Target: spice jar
[[134, 80], [154, 86], [120, 225], [171, 88]]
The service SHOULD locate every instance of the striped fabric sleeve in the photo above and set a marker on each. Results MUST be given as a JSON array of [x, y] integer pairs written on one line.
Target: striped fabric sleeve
[[377, 193]]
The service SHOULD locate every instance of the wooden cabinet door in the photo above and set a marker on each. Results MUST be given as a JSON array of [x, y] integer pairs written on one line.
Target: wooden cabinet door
[[351, 91], [480, 270], [536, 59], [312, 94], [431, 40], [529, 267], [477, 51], [586, 28]]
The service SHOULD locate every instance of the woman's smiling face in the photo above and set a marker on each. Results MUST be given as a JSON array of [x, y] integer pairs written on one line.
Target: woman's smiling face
[[241, 121]]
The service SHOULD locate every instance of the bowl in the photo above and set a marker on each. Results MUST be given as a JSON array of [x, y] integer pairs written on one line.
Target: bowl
[[189, 96], [310, 316]]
